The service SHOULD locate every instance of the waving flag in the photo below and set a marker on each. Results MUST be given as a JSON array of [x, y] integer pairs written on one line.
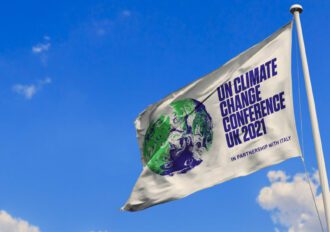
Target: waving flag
[[230, 123]]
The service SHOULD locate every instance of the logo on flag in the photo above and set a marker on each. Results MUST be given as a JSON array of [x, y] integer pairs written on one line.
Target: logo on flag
[[175, 142]]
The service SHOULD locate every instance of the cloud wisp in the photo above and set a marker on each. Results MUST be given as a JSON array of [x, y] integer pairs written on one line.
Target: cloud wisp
[[290, 203], [43, 46], [28, 91], [10, 224], [102, 27], [41, 49]]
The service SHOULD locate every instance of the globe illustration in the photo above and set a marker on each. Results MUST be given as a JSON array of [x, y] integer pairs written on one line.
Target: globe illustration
[[175, 142]]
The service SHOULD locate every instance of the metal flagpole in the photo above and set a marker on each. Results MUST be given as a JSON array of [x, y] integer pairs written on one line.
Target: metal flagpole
[[296, 9]]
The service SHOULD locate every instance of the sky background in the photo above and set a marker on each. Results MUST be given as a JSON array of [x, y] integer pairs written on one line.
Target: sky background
[[74, 75]]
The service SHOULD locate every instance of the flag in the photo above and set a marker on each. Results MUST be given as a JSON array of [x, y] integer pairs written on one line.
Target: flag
[[229, 123]]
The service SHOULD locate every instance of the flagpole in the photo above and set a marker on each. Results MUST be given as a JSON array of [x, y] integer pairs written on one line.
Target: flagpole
[[296, 9]]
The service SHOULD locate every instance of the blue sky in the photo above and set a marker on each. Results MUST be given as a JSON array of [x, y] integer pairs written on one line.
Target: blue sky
[[75, 74]]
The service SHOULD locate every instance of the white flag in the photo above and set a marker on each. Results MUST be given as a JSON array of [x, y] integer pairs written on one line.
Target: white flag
[[230, 123]]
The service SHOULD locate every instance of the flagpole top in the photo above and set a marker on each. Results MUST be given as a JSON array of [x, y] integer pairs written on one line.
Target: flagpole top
[[296, 7]]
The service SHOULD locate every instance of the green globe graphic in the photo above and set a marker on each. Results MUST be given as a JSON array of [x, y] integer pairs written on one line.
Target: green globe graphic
[[175, 142]]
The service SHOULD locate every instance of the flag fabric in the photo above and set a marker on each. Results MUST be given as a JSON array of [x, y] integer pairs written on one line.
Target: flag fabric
[[230, 123]]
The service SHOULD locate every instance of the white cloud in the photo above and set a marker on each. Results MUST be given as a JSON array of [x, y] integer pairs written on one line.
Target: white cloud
[[41, 47], [290, 202], [276, 176], [29, 90], [11, 224]]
